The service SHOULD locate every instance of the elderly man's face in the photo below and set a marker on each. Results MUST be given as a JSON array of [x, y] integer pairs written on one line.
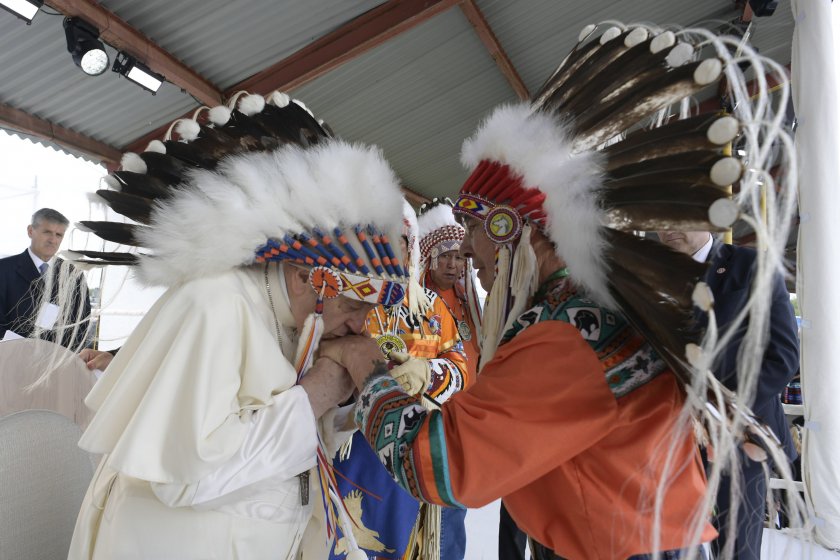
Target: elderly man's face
[[342, 316], [688, 242], [46, 238], [478, 247]]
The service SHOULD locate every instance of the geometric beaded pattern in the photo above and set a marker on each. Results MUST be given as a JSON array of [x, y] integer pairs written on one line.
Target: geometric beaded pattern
[[440, 235], [376, 276], [628, 361]]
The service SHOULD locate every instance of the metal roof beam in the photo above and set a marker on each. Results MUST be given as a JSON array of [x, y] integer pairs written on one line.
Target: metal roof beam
[[20, 121], [356, 37], [491, 43], [120, 35]]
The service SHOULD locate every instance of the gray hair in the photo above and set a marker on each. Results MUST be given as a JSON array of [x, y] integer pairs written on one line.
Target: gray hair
[[49, 215]]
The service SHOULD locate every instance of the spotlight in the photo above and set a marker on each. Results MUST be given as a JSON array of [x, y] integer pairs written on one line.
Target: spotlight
[[84, 44], [137, 72], [24, 9]]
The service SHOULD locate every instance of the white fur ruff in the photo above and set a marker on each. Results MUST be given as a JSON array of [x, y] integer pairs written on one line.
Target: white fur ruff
[[436, 218], [537, 146], [221, 217]]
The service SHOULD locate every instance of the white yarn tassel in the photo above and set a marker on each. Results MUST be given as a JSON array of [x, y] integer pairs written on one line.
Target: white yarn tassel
[[310, 337], [495, 310], [418, 302], [524, 279], [473, 305]]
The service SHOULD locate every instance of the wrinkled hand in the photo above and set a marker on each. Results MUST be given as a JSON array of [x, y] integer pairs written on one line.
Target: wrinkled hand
[[96, 359], [357, 354], [413, 374], [327, 385]]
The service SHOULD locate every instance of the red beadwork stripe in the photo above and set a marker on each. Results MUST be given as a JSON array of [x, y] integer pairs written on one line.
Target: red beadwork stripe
[[498, 184]]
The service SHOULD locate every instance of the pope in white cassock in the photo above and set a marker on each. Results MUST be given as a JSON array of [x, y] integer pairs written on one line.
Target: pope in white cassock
[[212, 416]]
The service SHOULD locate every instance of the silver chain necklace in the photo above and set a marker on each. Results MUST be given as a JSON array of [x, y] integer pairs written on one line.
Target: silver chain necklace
[[273, 312]]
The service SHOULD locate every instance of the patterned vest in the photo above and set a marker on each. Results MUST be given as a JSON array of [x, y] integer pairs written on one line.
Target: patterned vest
[[628, 360]]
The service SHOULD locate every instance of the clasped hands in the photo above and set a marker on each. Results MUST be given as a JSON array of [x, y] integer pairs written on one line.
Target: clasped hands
[[360, 354]]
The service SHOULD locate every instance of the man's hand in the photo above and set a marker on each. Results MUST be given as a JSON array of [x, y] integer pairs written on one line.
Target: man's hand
[[358, 354], [327, 385], [96, 359]]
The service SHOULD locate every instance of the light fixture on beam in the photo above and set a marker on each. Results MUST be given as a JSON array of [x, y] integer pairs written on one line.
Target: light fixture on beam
[[84, 44], [137, 72], [24, 9]]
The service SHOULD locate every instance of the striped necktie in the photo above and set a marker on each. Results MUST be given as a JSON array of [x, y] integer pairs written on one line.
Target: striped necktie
[[43, 268]]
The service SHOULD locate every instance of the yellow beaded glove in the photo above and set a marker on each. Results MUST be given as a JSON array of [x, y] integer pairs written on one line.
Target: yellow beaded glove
[[412, 373]]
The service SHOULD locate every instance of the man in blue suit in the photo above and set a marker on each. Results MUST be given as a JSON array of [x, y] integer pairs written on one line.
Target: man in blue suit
[[21, 280], [730, 276]]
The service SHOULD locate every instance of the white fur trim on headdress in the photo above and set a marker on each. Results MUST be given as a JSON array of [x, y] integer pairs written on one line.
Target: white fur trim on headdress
[[187, 129], [252, 197], [537, 146], [111, 182], [134, 163], [156, 146], [279, 99], [251, 104], [219, 115], [438, 217]]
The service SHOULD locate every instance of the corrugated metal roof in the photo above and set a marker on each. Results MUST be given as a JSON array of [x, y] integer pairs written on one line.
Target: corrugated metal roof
[[226, 41], [418, 96]]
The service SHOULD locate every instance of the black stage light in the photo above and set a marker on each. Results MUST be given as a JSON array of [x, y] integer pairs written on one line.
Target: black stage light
[[24, 9], [84, 44], [137, 72]]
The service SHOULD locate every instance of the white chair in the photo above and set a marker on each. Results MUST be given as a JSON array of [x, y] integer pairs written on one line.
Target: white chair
[[43, 477], [23, 361]]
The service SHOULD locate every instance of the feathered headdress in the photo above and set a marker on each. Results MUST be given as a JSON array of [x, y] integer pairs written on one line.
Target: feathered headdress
[[584, 164], [439, 232], [261, 180]]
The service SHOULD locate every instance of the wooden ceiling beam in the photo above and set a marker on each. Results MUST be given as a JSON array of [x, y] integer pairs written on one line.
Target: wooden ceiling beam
[[25, 123], [349, 41], [491, 43], [120, 35], [413, 197]]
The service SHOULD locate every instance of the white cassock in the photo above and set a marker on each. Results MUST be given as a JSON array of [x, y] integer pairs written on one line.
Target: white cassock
[[204, 433]]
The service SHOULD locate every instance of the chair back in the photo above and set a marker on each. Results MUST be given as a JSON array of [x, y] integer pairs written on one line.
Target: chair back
[[23, 361], [43, 478]]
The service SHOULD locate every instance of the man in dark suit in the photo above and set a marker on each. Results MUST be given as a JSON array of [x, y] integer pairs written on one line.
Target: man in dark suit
[[22, 282], [730, 277]]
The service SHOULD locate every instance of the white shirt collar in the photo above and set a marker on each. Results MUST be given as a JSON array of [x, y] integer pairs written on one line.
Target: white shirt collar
[[703, 252], [35, 259]]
